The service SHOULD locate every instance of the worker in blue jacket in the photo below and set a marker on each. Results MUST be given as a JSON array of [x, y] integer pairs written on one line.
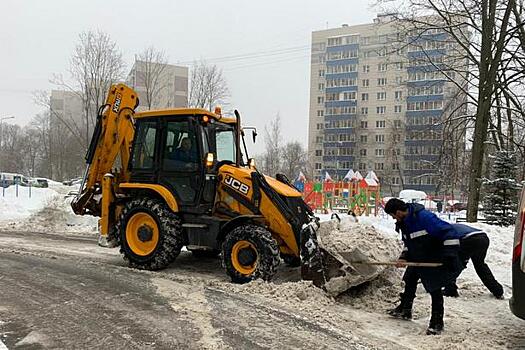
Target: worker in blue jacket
[[474, 246], [426, 238]]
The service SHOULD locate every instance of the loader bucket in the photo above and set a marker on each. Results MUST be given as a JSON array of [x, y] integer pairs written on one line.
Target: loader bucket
[[332, 268]]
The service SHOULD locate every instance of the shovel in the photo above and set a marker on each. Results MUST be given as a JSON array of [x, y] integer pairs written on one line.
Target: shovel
[[399, 264]]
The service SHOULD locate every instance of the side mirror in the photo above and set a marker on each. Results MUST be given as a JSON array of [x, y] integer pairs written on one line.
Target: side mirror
[[209, 160], [254, 135]]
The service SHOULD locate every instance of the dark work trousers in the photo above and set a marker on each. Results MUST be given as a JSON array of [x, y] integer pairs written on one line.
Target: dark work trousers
[[411, 277], [475, 248]]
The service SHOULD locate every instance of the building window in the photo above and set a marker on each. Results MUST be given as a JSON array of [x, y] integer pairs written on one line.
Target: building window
[[379, 152], [364, 124], [366, 68], [381, 110], [320, 113], [366, 82], [321, 86], [397, 109], [380, 124], [381, 81], [380, 138], [381, 96], [395, 166], [364, 96], [318, 139], [318, 166], [363, 138], [397, 123], [398, 95], [424, 106], [321, 72], [362, 152], [319, 126], [382, 67], [364, 110], [379, 166], [320, 100], [399, 80], [349, 95], [318, 152]]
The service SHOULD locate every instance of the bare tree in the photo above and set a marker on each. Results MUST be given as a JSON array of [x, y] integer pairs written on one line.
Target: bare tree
[[476, 34], [393, 175], [293, 159], [273, 142], [208, 86], [96, 63], [150, 67]]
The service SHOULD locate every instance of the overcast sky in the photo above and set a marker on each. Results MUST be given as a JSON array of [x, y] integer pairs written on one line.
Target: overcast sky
[[37, 39]]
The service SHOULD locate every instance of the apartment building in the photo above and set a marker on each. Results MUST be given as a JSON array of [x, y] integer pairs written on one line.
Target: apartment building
[[375, 104], [168, 84], [66, 106]]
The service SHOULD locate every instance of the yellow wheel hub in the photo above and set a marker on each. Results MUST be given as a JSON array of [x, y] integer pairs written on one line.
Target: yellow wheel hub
[[244, 257], [142, 234]]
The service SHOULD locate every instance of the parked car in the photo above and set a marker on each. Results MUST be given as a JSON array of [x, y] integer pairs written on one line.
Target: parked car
[[517, 301], [14, 179], [42, 182]]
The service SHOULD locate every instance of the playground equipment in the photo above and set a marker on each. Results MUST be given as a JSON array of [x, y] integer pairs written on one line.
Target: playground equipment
[[355, 193]]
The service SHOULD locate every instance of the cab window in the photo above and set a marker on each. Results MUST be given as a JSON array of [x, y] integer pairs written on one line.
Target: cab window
[[181, 150], [144, 149], [225, 143]]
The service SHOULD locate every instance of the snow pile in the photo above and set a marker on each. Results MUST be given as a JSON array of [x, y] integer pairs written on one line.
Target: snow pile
[[48, 210], [29, 201], [350, 242]]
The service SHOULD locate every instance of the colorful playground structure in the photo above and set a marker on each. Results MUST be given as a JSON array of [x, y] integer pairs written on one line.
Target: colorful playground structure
[[355, 193]]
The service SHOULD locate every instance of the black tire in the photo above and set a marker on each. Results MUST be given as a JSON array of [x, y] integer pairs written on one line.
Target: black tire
[[290, 260], [170, 235], [202, 253], [261, 242]]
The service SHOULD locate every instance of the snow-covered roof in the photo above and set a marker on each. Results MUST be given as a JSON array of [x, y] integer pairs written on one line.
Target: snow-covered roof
[[350, 175], [372, 175]]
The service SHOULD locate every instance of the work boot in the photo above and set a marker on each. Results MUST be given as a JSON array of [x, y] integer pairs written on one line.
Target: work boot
[[435, 326], [401, 313], [404, 309], [499, 296]]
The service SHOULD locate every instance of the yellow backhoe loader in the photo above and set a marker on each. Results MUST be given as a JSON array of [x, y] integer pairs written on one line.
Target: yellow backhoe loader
[[160, 180]]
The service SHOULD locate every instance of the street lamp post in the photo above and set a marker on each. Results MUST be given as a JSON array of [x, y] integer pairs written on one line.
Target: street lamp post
[[1, 134]]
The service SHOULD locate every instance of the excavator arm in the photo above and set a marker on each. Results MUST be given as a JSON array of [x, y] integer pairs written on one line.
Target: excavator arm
[[109, 150]]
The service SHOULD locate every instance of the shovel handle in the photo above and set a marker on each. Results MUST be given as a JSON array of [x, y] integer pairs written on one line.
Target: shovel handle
[[401, 264]]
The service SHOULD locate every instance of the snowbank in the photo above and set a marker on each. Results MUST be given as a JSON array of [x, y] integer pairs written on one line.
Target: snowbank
[[47, 210], [29, 201]]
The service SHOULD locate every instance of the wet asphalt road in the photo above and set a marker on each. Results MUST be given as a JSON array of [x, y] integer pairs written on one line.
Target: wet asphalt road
[[56, 295]]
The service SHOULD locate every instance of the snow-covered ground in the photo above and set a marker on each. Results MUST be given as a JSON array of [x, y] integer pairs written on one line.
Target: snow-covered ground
[[42, 210], [475, 320]]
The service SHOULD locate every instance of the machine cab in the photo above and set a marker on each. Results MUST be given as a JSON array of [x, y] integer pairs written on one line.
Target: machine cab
[[180, 149]]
